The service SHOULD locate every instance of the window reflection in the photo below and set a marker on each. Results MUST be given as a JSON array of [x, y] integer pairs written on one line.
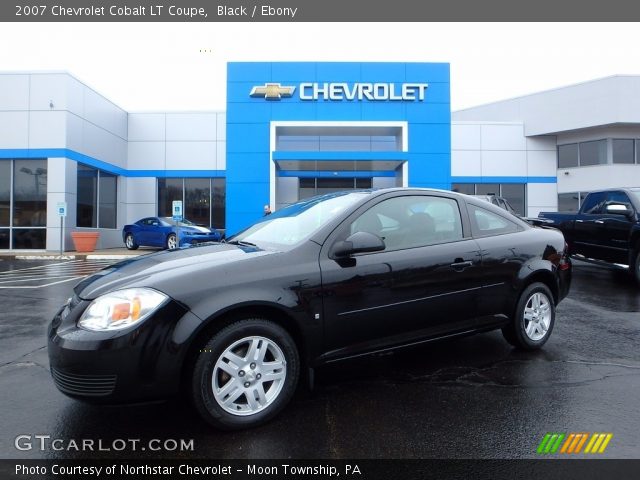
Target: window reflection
[[203, 199], [30, 193]]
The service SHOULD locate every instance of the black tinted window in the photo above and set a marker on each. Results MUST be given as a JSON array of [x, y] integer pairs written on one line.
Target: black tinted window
[[412, 221], [488, 223], [593, 203]]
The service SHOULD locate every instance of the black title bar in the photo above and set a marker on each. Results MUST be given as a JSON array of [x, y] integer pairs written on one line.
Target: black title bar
[[186, 469], [316, 10]]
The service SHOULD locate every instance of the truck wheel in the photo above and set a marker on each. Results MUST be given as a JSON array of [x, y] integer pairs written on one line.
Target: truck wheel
[[533, 318]]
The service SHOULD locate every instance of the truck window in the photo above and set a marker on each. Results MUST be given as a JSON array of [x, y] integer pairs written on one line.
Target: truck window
[[594, 202], [618, 197]]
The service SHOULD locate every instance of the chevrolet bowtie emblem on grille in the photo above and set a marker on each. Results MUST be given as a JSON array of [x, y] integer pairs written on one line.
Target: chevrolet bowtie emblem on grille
[[272, 91]]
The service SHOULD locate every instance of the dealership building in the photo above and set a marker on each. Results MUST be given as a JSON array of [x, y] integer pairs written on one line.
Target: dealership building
[[291, 131]]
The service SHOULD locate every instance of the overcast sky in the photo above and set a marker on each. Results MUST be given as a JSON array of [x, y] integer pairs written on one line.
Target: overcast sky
[[160, 66]]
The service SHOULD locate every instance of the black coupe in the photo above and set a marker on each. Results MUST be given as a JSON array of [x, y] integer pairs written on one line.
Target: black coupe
[[329, 278]]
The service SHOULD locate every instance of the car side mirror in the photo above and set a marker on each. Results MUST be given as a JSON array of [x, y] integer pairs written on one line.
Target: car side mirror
[[359, 242], [618, 209]]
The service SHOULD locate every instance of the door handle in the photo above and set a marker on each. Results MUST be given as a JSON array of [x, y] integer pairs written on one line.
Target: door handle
[[598, 221], [461, 264]]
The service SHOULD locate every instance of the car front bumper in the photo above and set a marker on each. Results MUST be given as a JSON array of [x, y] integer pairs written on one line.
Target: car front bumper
[[137, 364]]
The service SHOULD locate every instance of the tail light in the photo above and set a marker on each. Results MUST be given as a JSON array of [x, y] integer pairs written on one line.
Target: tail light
[[565, 263]]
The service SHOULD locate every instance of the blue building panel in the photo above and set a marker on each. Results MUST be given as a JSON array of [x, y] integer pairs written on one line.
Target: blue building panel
[[389, 111], [429, 72], [247, 137], [328, 111], [338, 72], [250, 112], [293, 72], [383, 72], [295, 112]]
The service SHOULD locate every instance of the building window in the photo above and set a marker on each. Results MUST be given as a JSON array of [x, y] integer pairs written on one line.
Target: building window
[[593, 153], [571, 202], [97, 202], [568, 202], [585, 154], [339, 139], [514, 193], [310, 187], [568, 156], [622, 150], [23, 203], [203, 199]]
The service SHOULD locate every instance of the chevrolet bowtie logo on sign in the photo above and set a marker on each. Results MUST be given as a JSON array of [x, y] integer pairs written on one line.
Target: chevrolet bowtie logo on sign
[[272, 91], [574, 442]]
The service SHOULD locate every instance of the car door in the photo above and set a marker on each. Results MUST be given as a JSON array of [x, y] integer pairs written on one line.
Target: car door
[[424, 283], [142, 234], [585, 241], [612, 230], [156, 233], [504, 250]]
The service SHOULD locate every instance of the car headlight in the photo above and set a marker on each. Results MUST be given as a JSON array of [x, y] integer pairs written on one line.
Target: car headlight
[[121, 309]]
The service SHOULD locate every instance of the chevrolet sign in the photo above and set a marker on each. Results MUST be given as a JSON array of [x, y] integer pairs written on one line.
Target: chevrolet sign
[[363, 91], [408, 92]]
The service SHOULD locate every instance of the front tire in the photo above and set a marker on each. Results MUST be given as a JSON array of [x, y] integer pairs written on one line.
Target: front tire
[[172, 241], [130, 242], [245, 374], [533, 319]]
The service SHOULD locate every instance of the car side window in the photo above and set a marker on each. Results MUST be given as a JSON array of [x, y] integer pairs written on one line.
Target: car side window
[[411, 221], [594, 202], [486, 223]]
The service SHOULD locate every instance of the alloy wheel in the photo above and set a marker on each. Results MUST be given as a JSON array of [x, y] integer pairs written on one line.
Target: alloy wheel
[[537, 316], [249, 375]]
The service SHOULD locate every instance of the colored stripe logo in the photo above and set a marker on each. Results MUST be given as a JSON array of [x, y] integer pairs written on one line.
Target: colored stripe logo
[[573, 443]]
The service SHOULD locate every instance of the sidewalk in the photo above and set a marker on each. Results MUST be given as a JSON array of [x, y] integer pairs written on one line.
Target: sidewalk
[[106, 254]]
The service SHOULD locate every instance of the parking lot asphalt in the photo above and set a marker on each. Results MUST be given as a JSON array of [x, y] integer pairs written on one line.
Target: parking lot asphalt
[[474, 397]]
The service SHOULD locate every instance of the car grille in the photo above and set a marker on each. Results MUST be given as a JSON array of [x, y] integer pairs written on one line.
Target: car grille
[[85, 385]]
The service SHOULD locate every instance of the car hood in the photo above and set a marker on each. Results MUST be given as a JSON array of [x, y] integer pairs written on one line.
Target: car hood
[[158, 270]]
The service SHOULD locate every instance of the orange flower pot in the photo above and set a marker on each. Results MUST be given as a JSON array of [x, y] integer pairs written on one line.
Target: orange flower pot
[[85, 241]]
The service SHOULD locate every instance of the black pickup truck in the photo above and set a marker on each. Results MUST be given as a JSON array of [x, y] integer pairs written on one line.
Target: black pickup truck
[[606, 229]]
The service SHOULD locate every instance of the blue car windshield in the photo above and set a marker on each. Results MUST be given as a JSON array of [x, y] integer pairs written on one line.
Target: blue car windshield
[[295, 223]]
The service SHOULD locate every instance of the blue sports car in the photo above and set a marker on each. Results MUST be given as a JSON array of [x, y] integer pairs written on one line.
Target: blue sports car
[[167, 233]]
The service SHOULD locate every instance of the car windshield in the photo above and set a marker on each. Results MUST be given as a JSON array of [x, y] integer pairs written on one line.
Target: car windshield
[[182, 223], [293, 224], [636, 192]]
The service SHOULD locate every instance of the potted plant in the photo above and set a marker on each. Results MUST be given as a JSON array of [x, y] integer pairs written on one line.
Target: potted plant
[[85, 241]]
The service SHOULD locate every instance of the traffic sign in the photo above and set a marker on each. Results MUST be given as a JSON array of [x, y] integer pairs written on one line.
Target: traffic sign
[[61, 208], [176, 208]]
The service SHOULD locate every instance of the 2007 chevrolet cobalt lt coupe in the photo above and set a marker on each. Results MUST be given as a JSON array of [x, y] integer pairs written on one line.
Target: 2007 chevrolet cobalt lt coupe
[[325, 279]]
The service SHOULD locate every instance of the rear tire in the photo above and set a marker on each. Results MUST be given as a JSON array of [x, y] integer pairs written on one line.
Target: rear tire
[[533, 319], [130, 242], [245, 374], [636, 267]]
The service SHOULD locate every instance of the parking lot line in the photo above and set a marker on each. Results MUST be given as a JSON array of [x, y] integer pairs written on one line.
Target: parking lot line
[[42, 276]]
